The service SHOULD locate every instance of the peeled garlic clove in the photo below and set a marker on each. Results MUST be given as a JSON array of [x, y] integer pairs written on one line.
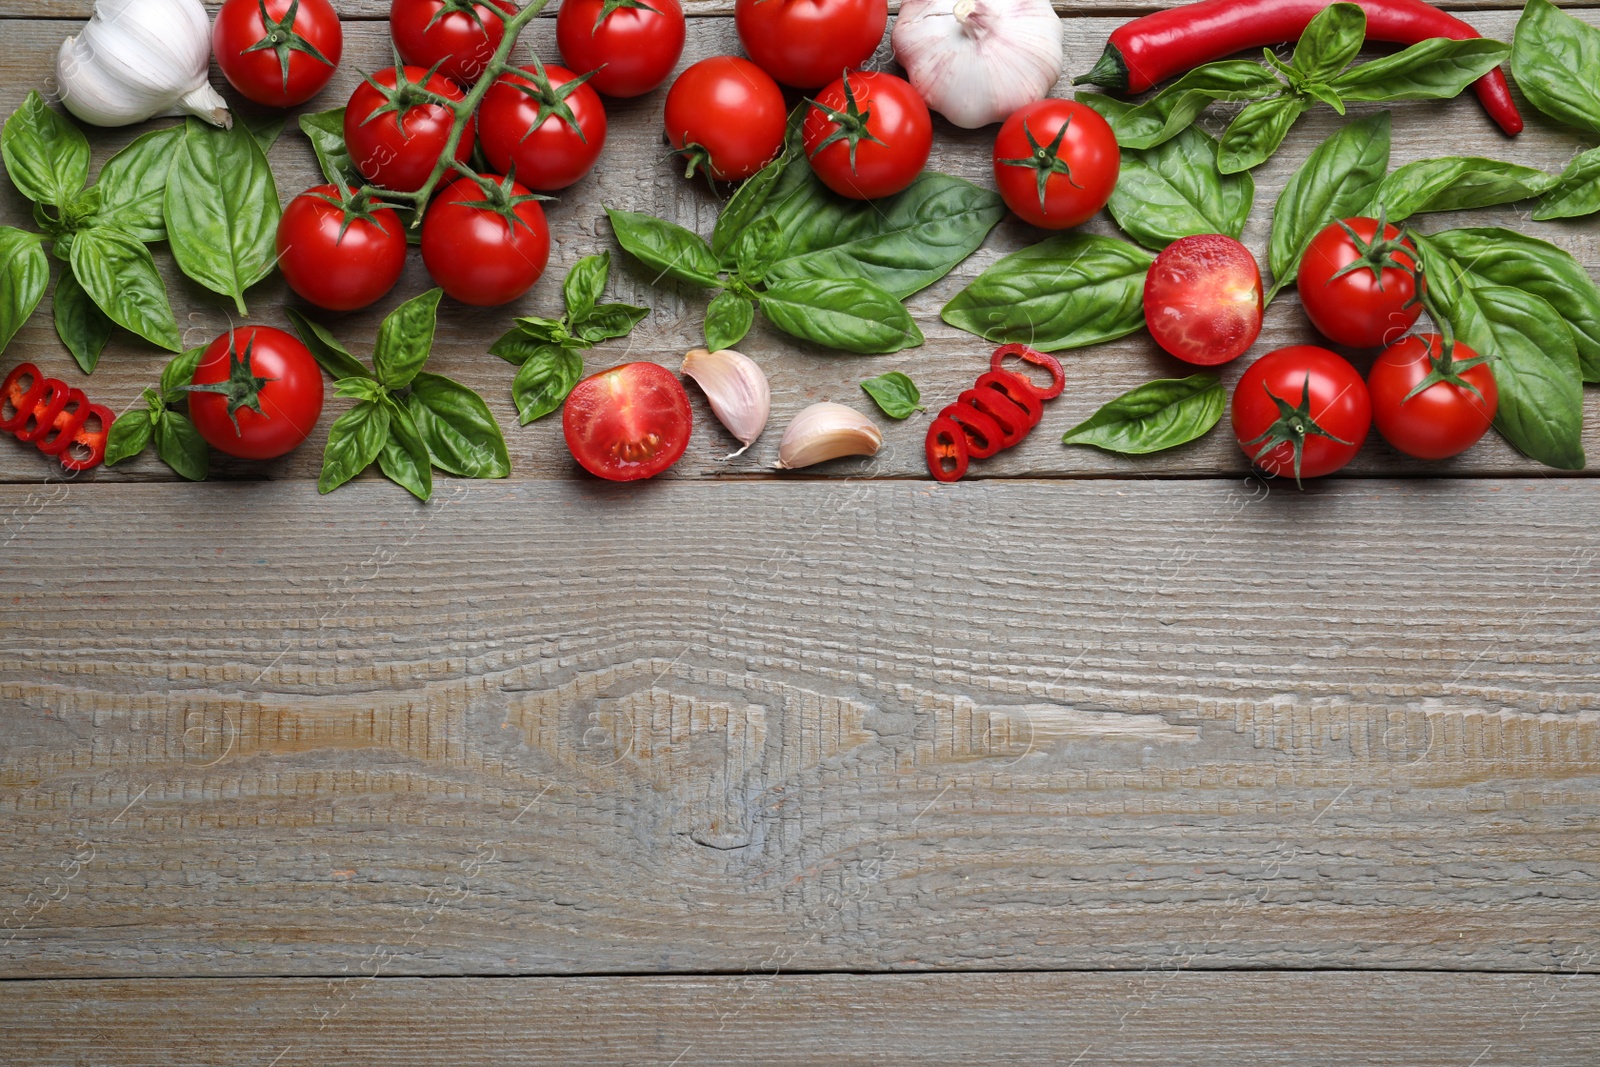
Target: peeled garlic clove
[[827, 431], [137, 59], [737, 388]]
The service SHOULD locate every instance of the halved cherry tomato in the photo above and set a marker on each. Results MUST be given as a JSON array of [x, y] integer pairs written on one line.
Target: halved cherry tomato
[[627, 423], [1058, 377], [947, 444]]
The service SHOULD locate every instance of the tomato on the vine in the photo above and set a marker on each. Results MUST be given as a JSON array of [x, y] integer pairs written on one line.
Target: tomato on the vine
[[1359, 288], [627, 423], [868, 135], [546, 123], [1430, 405], [808, 43], [340, 253], [1202, 299], [277, 52], [396, 132], [460, 35], [485, 246], [727, 117], [256, 393], [1301, 410], [630, 45], [1056, 163]]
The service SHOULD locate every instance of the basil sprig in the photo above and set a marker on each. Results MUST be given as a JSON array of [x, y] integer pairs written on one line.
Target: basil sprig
[[222, 209], [178, 444], [1555, 59], [549, 352], [895, 394], [1176, 190], [1155, 416], [405, 419]]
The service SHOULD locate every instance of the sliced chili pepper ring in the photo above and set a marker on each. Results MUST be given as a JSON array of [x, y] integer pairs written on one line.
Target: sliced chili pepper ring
[[58, 435], [44, 412], [88, 445], [1013, 422], [18, 401], [1018, 390], [947, 443], [1058, 377], [984, 436]]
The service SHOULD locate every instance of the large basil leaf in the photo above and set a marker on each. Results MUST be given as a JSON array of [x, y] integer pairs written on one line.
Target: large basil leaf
[[80, 324], [1576, 192], [458, 428], [24, 272], [405, 337], [728, 318], [133, 185], [1336, 181], [1536, 368], [119, 274], [666, 247], [129, 435], [1556, 61], [46, 156], [1330, 41], [180, 446], [1257, 132], [744, 206], [1164, 115], [354, 441], [222, 209], [1159, 415], [851, 314], [333, 356], [1067, 291], [326, 132], [585, 284], [1175, 190], [547, 375], [404, 459], [610, 320], [1456, 183], [1435, 69]]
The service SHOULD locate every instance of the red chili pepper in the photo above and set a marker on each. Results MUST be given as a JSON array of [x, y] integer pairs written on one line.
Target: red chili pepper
[[947, 443], [44, 412], [54, 417], [1016, 389], [984, 436], [997, 413], [88, 446], [17, 400], [1058, 377], [1149, 50], [58, 435], [1013, 421]]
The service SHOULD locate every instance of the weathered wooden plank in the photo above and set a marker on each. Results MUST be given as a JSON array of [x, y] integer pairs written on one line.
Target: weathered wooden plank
[[1154, 1019], [553, 727]]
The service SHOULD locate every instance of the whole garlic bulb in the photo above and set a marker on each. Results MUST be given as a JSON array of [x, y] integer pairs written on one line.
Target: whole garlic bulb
[[977, 61], [137, 59]]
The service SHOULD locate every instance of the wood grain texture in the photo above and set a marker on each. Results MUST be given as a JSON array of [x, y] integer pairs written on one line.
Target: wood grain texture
[[636, 173], [1159, 1019], [556, 728]]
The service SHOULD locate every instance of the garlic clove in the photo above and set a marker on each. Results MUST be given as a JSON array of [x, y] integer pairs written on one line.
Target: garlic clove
[[737, 388], [827, 431]]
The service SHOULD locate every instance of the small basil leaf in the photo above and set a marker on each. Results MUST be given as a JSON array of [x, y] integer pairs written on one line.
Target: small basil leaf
[[1256, 132], [728, 318], [1067, 291], [458, 428], [119, 274], [665, 247], [24, 273], [404, 458], [609, 321], [80, 323], [266, 129], [46, 156], [543, 382], [354, 441], [333, 356], [1576, 192], [515, 347], [757, 249], [326, 132], [405, 337], [895, 393], [1536, 369], [1456, 183], [1337, 180], [133, 185], [1556, 61], [179, 372], [1435, 69], [129, 435], [1175, 190], [1162, 116], [222, 210], [743, 207], [360, 389], [1159, 415], [180, 446], [1330, 42], [543, 329], [851, 314], [584, 285]]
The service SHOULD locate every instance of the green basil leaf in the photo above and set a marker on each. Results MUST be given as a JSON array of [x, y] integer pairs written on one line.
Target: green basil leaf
[[1576, 192], [1257, 132], [46, 156], [851, 314], [743, 208], [1536, 368], [222, 210], [1330, 42], [333, 356], [1435, 69], [179, 372], [1162, 116], [133, 185], [1067, 291], [80, 323], [902, 243], [24, 273], [728, 318], [354, 441], [362, 388], [180, 446], [326, 132], [758, 248], [609, 321], [546, 377], [1556, 61], [1162, 414], [895, 393], [542, 329], [584, 285], [516, 347], [404, 458], [665, 247], [266, 129], [129, 435], [119, 274], [1175, 190], [1456, 183], [458, 428], [1336, 181], [405, 337]]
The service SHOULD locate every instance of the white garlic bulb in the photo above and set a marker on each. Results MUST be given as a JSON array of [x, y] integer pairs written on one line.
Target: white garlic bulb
[[137, 59], [977, 61], [737, 389], [827, 431]]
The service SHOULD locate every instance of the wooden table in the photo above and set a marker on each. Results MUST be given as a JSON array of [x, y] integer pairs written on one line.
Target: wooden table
[[1084, 760]]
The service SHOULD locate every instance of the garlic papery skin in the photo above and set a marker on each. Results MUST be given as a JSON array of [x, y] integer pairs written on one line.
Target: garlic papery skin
[[977, 61], [737, 388], [137, 59], [827, 431]]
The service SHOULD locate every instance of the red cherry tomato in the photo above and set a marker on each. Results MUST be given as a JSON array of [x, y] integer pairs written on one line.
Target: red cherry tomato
[[868, 135], [459, 35], [1358, 290], [627, 423], [809, 43], [261, 395], [727, 117], [1068, 144], [401, 155], [338, 260], [1446, 418], [1301, 411], [478, 255], [631, 50], [562, 148], [1202, 299], [303, 44]]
